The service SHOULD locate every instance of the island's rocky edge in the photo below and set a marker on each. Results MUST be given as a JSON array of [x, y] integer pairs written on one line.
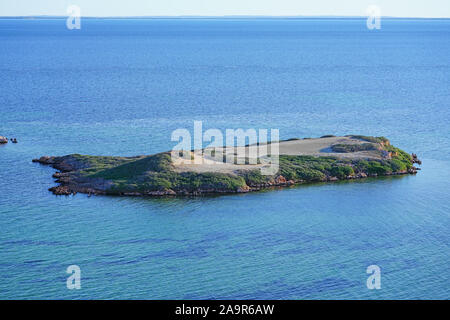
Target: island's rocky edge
[[155, 175]]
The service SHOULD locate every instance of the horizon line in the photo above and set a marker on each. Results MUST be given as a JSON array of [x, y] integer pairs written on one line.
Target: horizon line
[[216, 17]]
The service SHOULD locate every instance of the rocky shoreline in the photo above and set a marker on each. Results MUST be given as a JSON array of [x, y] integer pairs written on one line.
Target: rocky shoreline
[[75, 176], [69, 181]]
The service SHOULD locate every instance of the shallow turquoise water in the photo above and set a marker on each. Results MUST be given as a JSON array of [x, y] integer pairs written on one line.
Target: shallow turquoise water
[[119, 87]]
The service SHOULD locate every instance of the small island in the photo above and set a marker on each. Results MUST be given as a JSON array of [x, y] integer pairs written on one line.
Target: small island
[[307, 160]]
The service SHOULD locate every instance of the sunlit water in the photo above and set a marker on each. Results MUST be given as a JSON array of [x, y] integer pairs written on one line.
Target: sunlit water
[[119, 87]]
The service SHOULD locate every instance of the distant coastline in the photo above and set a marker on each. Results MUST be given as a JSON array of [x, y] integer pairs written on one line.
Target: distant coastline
[[249, 17]]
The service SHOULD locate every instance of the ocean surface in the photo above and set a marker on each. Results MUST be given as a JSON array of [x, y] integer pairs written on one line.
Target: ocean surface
[[120, 87]]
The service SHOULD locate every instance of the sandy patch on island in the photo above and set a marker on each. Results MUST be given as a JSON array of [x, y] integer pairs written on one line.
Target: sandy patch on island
[[315, 147]]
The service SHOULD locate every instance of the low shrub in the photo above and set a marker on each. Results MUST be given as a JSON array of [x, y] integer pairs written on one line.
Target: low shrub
[[346, 148], [342, 172]]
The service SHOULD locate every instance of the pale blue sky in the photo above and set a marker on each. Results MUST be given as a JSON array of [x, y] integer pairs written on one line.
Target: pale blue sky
[[398, 8]]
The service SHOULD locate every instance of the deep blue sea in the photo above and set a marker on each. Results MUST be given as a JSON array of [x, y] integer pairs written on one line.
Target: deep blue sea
[[120, 87]]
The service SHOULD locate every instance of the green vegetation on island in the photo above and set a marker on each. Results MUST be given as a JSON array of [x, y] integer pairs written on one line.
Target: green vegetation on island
[[157, 175]]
